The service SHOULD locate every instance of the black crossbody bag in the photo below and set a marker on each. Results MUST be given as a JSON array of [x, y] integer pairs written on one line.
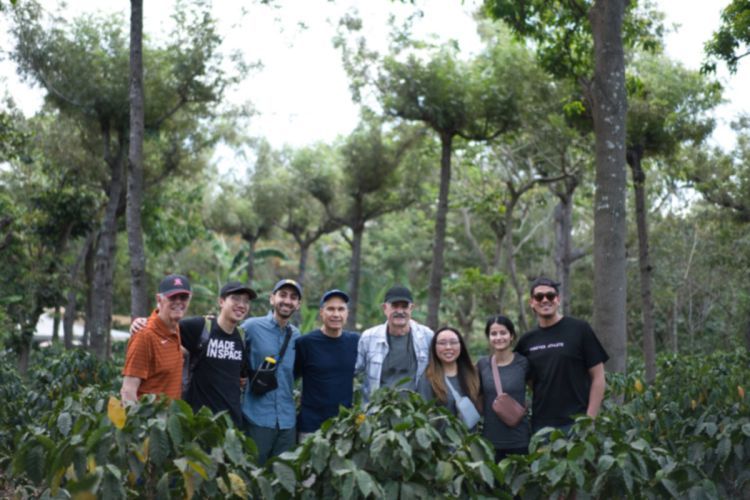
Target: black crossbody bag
[[263, 379]]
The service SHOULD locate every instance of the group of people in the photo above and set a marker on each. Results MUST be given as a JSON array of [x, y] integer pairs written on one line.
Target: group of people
[[247, 367]]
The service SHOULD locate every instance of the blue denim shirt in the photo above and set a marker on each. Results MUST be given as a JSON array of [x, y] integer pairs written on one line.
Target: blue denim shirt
[[264, 337]]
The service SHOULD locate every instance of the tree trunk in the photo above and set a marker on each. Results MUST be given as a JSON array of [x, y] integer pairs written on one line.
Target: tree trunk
[[609, 107], [70, 305], [563, 244], [104, 260], [354, 275], [510, 258], [139, 301], [303, 251], [56, 325], [647, 304], [89, 270], [438, 258], [250, 257]]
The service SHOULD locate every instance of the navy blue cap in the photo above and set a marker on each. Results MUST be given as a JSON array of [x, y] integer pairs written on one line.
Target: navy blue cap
[[287, 282], [334, 293]]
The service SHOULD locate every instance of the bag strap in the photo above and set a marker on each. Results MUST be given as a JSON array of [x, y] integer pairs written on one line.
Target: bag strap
[[202, 344], [454, 392], [287, 337], [496, 376]]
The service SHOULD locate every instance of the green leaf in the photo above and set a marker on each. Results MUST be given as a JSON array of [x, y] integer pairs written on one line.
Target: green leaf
[[556, 474], [723, 449], [286, 476], [639, 444], [319, 453], [347, 486], [233, 447], [158, 446], [486, 474], [364, 482], [605, 463], [423, 438], [64, 423], [175, 430], [444, 471], [181, 464], [671, 487], [162, 487]]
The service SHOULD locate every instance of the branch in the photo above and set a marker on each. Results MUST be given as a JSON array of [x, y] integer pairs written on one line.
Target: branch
[[473, 241]]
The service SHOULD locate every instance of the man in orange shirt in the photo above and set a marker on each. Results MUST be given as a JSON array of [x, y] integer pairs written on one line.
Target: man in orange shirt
[[153, 363]]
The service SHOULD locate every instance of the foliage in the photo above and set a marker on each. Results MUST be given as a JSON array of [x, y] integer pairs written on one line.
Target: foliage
[[686, 435], [398, 446], [731, 42]]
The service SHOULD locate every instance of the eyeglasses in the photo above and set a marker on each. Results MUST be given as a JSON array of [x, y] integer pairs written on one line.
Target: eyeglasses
[[179, 296], [240, 299], [541, 296], [443, 343]]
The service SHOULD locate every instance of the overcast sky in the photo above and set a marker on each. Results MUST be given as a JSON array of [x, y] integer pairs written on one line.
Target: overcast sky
[[302, 92]]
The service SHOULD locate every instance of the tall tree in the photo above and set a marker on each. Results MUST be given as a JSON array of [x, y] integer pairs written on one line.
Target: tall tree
[[304, 187], [476, 100], [668, 106], [374, 183], [731, 42], [583, 40], [84, 70], [139, 297]]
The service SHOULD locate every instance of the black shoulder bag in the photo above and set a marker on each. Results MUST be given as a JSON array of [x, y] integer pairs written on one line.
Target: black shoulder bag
[[263, 379]]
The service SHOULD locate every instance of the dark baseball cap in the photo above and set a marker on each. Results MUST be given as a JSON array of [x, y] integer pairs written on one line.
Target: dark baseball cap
[[544, 281], [287, 282], [174, 284], [236, 287], [398, 293], [334, 293]]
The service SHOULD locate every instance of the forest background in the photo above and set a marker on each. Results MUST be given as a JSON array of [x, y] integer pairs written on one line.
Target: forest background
[[470, 169]]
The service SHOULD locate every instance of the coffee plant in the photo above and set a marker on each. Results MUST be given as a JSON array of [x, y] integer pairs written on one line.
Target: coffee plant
[[64, 434]]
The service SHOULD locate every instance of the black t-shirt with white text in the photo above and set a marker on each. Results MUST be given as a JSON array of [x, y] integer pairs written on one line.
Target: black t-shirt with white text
[[560, 357], [215, 383]]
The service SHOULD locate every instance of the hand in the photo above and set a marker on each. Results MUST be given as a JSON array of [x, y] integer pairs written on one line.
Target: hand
[[243, 383], [137, 325]]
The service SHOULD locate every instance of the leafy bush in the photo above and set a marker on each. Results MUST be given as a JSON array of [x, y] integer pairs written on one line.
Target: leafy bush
[[400, 447], [154, 449], [685, 436]]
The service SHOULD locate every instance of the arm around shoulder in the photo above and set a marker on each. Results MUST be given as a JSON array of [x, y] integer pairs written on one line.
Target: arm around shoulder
[[596, 392]]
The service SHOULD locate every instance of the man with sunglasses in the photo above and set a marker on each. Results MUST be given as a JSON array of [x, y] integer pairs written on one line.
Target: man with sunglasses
[[153, 362], [566, 359]]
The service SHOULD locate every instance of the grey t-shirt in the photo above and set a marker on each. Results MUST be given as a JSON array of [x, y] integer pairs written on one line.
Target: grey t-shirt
[[513, 378], [424, 388], [401, 362]]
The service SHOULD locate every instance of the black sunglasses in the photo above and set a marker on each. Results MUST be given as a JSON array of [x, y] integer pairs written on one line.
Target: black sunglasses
[[541, 296]]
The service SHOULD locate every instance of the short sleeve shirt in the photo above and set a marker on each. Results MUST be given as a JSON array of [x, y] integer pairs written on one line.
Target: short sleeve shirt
[[560, 357], [513, 379], [215, 383], [154, 356]]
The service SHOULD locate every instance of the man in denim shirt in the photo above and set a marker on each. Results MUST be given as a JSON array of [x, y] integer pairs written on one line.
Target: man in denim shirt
[[397, 349], [271, 417]]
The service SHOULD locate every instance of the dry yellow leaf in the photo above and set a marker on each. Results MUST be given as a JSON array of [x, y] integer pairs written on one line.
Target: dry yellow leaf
[[638, 386], [116, 412]]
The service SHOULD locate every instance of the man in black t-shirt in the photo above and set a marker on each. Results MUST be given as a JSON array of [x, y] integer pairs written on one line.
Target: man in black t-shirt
[[567, 362], [222, 361]]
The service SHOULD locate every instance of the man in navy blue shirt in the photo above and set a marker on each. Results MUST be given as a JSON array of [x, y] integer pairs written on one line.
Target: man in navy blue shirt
[[325, 360]]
